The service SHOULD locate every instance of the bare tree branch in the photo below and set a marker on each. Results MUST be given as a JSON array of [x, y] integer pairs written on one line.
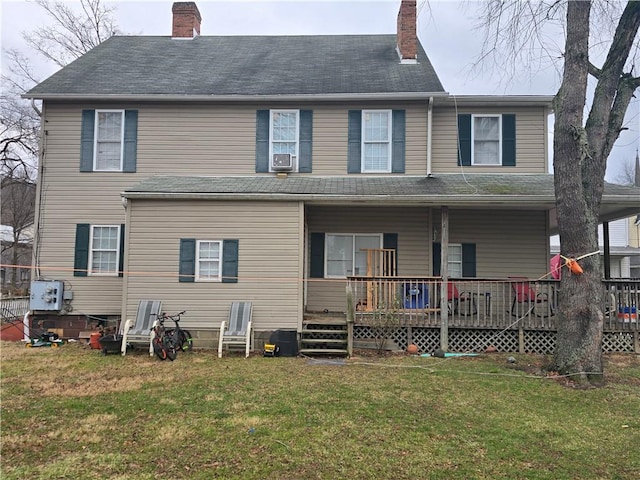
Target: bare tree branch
[[71, 35]]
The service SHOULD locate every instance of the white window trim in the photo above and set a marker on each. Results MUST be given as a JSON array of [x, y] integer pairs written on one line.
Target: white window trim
[[91, 250], [353, 259], [389, 142], [95, 140], [450, 262], [473, 140], [197, 277], [297, 154]]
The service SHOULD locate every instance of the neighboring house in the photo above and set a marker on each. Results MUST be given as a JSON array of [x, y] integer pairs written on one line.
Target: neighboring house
[[15, 272], [634, 241], [621, 248], [16, 234], [634, 228], [203, 170]]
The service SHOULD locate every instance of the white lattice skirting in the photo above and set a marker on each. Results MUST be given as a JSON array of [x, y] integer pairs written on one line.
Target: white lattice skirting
[[477, 340]]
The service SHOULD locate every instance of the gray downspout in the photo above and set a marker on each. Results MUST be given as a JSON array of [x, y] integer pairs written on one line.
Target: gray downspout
[[429, 127]]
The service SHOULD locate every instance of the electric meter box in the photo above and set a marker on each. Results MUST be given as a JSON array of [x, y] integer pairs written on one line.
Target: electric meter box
[[46, 295]]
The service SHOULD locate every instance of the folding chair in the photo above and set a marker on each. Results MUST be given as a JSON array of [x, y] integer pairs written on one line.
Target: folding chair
[[237, 330], [526, 300], [463, 303], [141, 332]]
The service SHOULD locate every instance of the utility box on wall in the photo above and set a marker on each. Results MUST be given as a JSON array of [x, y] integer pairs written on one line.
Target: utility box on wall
[[46, 295]]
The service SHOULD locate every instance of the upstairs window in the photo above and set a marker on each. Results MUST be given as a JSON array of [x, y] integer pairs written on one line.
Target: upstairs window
[[109, 141], [284, 132], [288, 132], [376, 141], [486, 145], [109, 136], [487, 140]]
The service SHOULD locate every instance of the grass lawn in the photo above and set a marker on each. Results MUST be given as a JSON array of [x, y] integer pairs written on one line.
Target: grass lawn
[[72, 413]]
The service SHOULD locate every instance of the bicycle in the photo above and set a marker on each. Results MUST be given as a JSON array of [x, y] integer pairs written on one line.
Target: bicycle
[[162, 342], [181, 338], [167, 341]]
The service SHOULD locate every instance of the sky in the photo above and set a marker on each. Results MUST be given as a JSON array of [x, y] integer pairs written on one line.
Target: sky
[[447, 29]]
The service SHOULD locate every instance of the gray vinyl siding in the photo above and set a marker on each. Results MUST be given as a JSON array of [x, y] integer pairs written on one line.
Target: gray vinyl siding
[[531, 141], [220, 140], [269, 260], [68, 198], [515, 244]]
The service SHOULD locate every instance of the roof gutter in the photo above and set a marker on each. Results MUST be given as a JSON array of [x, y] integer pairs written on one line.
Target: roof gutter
[[546, 200], [238, 98], [503, 100]]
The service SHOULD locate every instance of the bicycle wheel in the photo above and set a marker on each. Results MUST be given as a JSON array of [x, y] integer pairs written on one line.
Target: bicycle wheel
[[159, 349], [172, 340], [186, 341], [171, 352]]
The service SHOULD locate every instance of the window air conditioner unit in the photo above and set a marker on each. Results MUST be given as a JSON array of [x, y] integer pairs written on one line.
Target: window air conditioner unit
[[282, 162]]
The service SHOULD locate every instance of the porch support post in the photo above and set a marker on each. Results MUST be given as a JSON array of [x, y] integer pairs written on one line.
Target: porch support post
[[607, 252], [444, 272]]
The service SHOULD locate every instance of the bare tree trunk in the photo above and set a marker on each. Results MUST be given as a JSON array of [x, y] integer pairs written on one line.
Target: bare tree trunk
[[580, 161], [580, 149], [580, 318]]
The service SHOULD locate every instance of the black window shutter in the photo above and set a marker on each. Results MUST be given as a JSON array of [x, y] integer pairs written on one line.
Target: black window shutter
[[354, 151], [306, 141], [464, 139], [316, 255], [437, 258], [130, 141], [398, 147], [81, 260], [468, 259], [187, 268], [86, 140], [121, 254], [262, 141], [390, 240], [230, 261], [509, 140]]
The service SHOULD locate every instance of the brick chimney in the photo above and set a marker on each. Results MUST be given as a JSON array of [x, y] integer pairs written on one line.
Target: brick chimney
[[407, 37], [186, 20]]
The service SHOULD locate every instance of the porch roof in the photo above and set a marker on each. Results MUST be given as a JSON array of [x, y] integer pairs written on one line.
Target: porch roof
[[525, 191]]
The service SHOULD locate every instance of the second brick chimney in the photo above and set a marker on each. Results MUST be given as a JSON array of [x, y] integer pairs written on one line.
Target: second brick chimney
[[186, 20], [406, 37]]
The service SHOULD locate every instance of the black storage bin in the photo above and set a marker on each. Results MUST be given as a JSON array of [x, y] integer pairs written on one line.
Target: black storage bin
[[110, 343], [287, 341]]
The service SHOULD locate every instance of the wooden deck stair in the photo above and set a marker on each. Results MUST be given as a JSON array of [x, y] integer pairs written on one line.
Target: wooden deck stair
[[324, 334]]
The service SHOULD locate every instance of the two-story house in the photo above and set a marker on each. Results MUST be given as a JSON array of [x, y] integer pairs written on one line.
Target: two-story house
[[202, 170]]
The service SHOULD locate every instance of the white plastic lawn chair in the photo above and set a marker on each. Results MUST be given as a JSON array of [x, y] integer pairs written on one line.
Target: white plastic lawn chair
[[237, 330]]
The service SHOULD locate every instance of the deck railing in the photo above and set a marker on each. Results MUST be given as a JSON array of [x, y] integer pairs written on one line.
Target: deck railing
[[482, 303]]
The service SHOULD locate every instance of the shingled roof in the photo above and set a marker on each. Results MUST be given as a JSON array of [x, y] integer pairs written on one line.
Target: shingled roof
[[242, 66], [456, 188]]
